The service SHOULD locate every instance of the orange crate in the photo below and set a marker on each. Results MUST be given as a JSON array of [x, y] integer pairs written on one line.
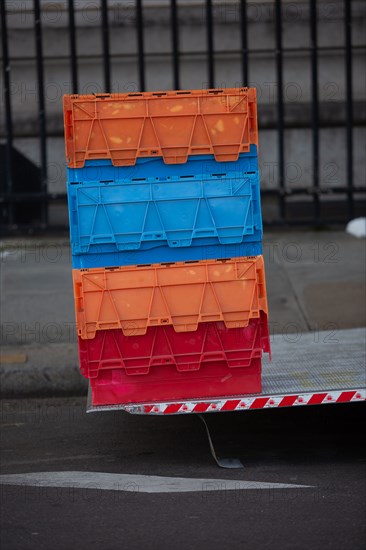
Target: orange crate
[[172, 125], [182, 294]]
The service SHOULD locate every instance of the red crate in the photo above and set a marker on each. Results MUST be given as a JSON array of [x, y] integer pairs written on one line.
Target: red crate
[[164, 364], [165, 383]]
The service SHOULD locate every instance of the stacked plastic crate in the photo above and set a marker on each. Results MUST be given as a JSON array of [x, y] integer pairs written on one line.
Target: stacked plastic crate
[[166, 237]]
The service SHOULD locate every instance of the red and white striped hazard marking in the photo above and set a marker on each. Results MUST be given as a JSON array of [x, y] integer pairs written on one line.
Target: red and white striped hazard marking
[[249, 403]]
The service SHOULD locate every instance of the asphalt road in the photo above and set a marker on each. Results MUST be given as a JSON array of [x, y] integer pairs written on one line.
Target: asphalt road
[[318, 447]]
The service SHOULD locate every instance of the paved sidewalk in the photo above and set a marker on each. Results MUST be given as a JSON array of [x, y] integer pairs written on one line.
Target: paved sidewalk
[[315, 282]]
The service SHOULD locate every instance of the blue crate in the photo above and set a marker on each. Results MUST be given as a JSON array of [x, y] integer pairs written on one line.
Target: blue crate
[[153, 212], [164, 254]]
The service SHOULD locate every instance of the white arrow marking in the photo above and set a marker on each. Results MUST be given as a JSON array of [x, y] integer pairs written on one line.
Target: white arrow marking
[[136, 483]]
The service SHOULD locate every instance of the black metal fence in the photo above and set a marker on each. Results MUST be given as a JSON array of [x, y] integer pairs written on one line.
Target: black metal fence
[[313, 198]]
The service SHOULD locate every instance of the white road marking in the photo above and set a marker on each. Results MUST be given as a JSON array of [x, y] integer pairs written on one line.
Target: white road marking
[[136, 483]]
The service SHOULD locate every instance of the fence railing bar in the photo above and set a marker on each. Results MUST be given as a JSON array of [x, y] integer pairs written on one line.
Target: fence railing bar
[[73, 51], [228, 53], [315, 105], [175, 43], [326, 193], [18, 197], [140, 44], [105, 45], [280, 108], [244, 42], [349, 103], [210, 45], [8, 112], [41, 108]]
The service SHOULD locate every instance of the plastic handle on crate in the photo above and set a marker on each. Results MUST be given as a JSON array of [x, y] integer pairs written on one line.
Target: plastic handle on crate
[[79, 300], [213, 356], [116, 363], [69, 133], [262, 295]]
